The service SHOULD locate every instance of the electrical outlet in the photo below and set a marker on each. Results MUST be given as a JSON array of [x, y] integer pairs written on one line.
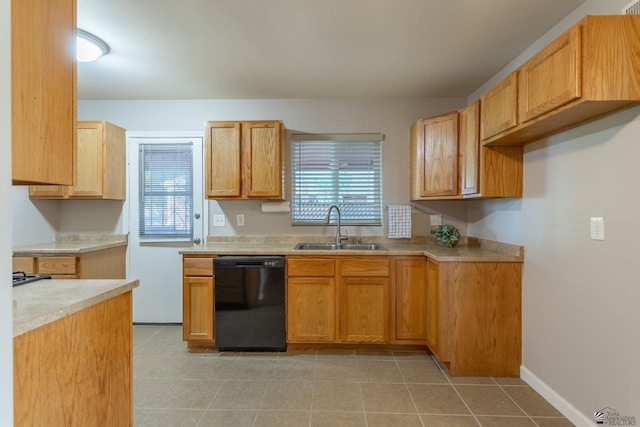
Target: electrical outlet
[[219, 221], [435, 220], [240, 220], [597, 228]]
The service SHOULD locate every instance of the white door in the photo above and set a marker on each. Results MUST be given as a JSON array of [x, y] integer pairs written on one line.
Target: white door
[[163, 219]]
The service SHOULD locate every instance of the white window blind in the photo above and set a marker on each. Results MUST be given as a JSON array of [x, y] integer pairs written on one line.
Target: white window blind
[[339, 169], [166, 191]]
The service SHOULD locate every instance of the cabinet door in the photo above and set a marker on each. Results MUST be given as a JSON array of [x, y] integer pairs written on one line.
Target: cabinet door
[[43, 91], [433, 304], [197, 309], [411, 299], [438, 138], [499, 107], [262, 159], [311, 309], [469, 149], [89, 163], [552, 78], [365, 308], [222, 161]]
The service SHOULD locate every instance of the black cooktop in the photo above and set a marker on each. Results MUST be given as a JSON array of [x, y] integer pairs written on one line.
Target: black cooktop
[[22, 278]]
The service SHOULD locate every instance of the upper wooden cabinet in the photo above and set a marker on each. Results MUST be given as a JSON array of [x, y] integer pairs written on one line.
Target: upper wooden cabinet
[[434, 157], [101, 165], [43, 91], [243, 160], [448, 160], [589, 71]]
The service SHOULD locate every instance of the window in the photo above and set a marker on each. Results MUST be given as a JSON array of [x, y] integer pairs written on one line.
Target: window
[[166, 194], [343, 170]]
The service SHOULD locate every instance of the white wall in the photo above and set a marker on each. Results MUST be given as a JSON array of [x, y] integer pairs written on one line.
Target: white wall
[[37, 220], [580, 296], [391, 117], [6, 309]]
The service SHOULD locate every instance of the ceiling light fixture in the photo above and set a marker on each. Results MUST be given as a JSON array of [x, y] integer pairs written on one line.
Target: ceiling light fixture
[[89, 47]]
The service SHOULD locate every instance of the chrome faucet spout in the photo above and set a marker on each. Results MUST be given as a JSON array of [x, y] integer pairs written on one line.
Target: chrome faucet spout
[[339, 236]]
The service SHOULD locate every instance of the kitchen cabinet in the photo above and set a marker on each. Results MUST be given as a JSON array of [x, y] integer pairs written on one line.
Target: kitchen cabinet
[[76, 370], [244, 160], [474, 316], [101, 165], [197, 300], [107, 263], [409, 300], [434, 158], [43, 91], [589, 71], [311, 299], [340, 299], [486, 171]]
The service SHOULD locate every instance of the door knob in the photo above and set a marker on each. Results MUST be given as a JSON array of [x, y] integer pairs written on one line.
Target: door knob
[[196, 240], [196, 216]]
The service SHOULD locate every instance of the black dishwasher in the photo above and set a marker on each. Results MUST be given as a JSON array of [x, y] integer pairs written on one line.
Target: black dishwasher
[[249, 303]]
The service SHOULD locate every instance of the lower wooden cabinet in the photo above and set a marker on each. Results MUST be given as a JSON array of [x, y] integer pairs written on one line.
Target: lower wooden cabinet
[[338, 299], [409, 309], [107, 263], [198, 299], [474, 316]]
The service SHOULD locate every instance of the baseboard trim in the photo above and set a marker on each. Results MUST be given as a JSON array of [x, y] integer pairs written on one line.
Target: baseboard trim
[[559, 402]]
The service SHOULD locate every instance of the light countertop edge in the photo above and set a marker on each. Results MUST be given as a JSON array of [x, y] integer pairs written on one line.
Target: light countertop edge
[[45, 301], [65, 248]]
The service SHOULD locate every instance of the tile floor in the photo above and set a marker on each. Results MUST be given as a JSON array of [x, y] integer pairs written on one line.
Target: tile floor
[[175, 388]]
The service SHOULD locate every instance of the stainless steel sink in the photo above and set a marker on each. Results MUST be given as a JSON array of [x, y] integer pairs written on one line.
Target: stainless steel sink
[[345, 246]]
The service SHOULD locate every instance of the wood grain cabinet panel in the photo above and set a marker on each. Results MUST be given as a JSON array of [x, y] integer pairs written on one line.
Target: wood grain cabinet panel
[[409, 296], [43, 91], [500, 107], [311, 309], [198, 300], [434, 157], [365, 309], [244, 160], [109, 263]]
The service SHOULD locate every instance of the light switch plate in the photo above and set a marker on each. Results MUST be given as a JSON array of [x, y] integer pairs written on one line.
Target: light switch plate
[[435, 220], [240, 220], [597, 228], [219, 221]]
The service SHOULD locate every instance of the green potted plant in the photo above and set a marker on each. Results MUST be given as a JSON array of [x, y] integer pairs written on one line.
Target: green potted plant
[[445, 235]]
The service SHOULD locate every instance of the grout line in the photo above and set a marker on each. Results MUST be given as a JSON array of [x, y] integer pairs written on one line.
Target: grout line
[[457, 392], [404, 381], [516, 403]]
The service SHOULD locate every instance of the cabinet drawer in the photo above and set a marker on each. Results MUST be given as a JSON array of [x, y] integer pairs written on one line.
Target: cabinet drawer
[[198, 267], [314, 267], [57, 265], [378, 266], [24, 263]]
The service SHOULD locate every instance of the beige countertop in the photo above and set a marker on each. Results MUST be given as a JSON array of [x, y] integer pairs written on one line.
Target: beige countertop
[[45, 301], [469, 250], [73, 245]]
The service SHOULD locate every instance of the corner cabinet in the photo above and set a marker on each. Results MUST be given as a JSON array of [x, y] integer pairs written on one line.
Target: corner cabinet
[[244, 160], [43, 91], [589, 71], [474, 316], [197, 300], [101, 165]]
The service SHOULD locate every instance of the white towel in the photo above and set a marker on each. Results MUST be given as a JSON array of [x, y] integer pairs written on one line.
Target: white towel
[[399, 222]]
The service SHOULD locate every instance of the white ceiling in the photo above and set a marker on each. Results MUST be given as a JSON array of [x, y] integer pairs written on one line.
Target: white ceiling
[[190, 49]]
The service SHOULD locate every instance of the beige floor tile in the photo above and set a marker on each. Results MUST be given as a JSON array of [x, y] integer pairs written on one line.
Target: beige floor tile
[[496, 421], [449, 421], [437, 399], [421, 356], [332, 353], [208, 368], [173, 418], [374, 355], [331, 396], [228, 418], [160, 367], [288, 395], [553, 422], [467, 380], [338, 419], [509, 381], [251, 369], [391, 398], [299, 354], [395, 420], [148, 393], [139, 415], [379, 371], [421, 372], [239, 395], [531, 402], [336, 369], [190, 394], [488, 400], [283, 419], [294, 369]]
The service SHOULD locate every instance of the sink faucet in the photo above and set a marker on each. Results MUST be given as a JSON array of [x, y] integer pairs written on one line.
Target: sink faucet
[[339, 236]]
